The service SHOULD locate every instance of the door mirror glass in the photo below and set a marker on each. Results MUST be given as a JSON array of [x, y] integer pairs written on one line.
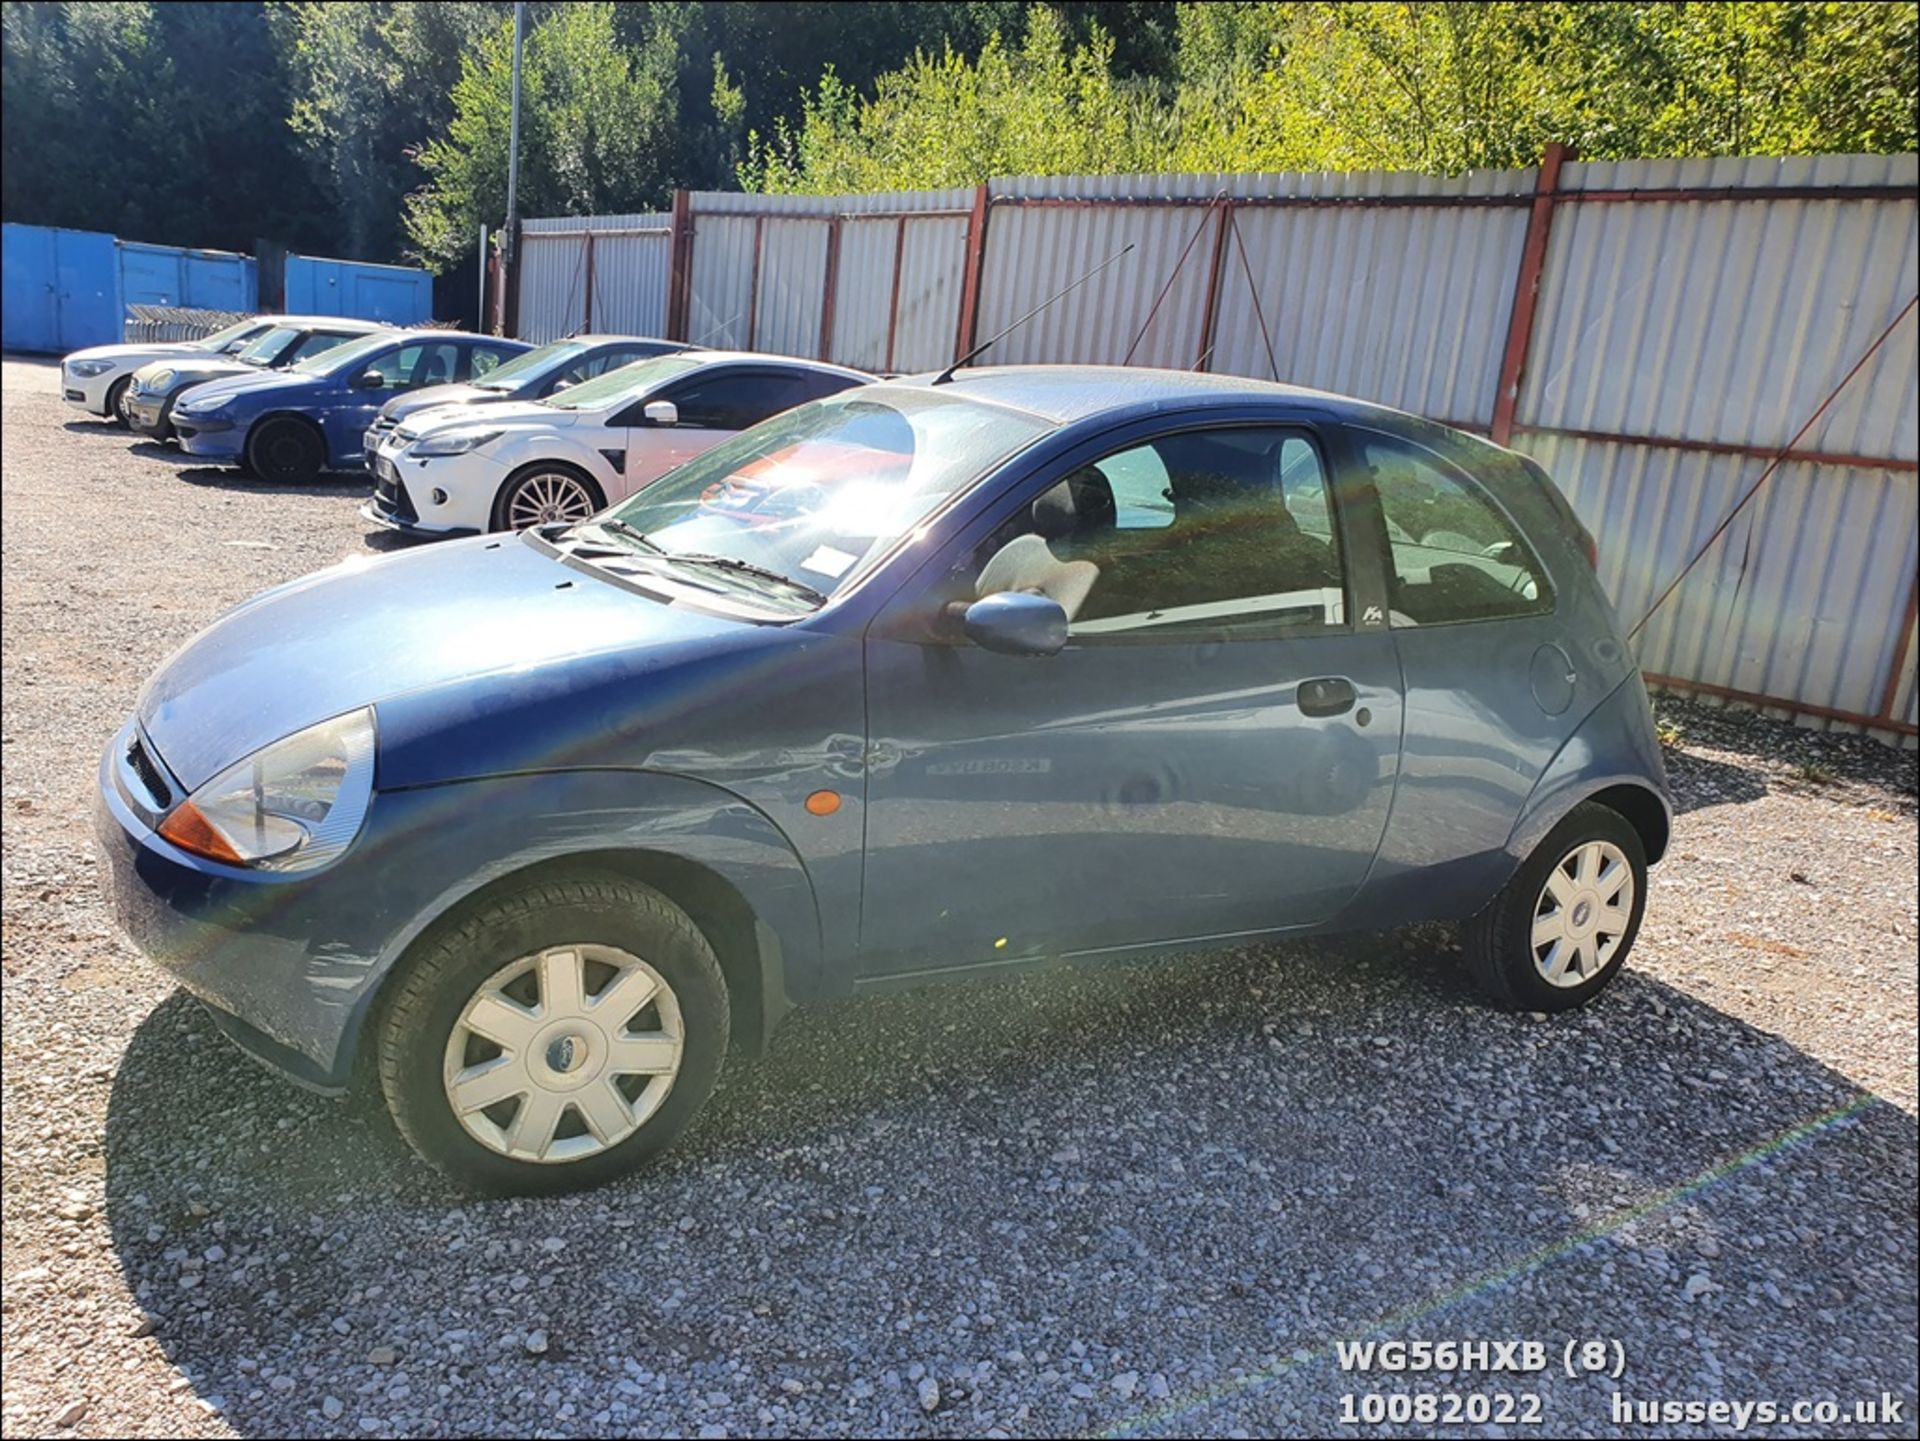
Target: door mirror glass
[[1018, 623], [367, 380], [661, 412]]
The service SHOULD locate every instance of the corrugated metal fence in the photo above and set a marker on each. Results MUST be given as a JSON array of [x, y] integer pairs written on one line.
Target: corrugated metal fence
[[1657, 333]]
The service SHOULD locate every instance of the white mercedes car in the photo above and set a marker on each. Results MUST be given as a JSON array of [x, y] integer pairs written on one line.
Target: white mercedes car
[[98, 378], [459, 470]]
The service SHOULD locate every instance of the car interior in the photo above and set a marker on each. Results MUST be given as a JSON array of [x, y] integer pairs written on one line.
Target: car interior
[[1200, 530]]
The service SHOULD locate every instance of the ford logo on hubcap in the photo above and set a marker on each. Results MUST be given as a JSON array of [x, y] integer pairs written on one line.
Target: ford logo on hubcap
[[565, 1053], [1581, 912]]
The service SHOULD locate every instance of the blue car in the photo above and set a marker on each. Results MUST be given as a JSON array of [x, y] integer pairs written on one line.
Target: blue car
[[289, 425], [929, 677]]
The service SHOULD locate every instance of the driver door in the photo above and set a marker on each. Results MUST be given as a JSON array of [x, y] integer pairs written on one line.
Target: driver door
[[1213, 752]]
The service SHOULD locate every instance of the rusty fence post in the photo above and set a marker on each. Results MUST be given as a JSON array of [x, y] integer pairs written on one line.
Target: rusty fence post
[[1209, 316], [1901, 647], [680, 266], [586, 321], [832, 284], [1526, 292], [970, 283]]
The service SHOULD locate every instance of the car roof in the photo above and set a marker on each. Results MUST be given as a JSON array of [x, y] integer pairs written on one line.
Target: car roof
[[1068, 393], [327, 322], [758, 357]]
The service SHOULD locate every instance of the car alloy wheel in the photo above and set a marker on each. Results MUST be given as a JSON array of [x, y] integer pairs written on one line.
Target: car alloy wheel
[[1582, 913], [565, 1053], [548, 496]]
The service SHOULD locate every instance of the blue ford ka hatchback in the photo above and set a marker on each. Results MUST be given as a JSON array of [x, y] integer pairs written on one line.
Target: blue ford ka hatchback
[[927, 677], [289, 425]]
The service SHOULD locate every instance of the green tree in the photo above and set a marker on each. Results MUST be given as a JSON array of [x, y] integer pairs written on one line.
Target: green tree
[[596, 130], [1046, 107]]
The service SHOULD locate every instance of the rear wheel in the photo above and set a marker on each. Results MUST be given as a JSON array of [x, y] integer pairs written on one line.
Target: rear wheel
[[559, 1036], [544, 494], [285, 450], [117, 402], [1562, 927]]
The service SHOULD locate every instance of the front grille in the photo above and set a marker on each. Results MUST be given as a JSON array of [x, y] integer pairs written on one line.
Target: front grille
[[392, 497], [149, 773]]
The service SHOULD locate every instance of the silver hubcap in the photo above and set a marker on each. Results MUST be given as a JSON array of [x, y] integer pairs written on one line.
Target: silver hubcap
[[548, 497], [565, 1053], [1582, 913]]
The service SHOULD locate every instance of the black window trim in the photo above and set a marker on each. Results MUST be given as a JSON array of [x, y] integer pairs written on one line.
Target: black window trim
[[1384, 539]]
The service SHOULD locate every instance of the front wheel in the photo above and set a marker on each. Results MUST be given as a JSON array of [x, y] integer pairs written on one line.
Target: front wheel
[[1562, 927], [544, 494], [117, 402], [285, 451], [557, 1037]]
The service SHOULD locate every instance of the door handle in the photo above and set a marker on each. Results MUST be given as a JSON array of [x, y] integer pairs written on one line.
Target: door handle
[[1327, 696]]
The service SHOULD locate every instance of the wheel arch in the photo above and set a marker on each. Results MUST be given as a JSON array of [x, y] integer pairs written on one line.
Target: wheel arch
[[1612, 759]]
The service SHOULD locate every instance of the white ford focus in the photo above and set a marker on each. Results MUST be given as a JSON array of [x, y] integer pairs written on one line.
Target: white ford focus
[[457, 470]]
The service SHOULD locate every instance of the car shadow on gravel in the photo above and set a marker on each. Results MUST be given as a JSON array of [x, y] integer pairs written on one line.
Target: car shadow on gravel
[[225, 478], [1197, 1162]]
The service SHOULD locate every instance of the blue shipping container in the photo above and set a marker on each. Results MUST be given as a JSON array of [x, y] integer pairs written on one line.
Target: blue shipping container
[[397, 294], [61, 288], [200, 279]]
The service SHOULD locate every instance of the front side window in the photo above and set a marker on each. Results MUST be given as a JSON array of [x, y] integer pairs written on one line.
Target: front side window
[[412, 366], [735, 401], [484, 360], [347, 359], [802, 506], [1455, 556], [1226, 529]]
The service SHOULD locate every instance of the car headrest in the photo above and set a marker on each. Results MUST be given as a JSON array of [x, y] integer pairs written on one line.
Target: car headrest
[[1077, 506]]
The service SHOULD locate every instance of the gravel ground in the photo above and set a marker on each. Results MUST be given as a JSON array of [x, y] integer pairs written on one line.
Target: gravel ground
[[1139, 1200]]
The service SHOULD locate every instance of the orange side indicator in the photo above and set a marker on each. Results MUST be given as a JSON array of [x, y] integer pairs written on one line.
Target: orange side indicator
[[823, 803], [191, 831]]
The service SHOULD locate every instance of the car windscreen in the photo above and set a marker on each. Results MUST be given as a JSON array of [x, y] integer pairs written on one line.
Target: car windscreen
[[220, 339], [615, 387], [819, 494], [343, 357], [265, 348], [532, 365]]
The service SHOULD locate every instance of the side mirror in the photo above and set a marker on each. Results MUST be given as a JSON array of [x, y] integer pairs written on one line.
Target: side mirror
[[560, 385], [366, 380], [1018, 622], [661, 412]]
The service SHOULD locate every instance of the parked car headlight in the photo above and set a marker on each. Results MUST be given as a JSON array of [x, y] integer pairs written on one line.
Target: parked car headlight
[[91, 367], [457, 442], [159, 380], [291, 806], [205, 409]]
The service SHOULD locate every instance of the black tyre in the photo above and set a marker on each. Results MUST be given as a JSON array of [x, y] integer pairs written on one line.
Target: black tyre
[[1562, 927], [555, 1037], [544, 493], [117, 402], [286, 451]]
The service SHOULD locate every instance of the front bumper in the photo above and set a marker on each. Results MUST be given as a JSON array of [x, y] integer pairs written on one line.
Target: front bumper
[[403, 501], [268, 954], [150, 414], [89, 392], [215, 439]]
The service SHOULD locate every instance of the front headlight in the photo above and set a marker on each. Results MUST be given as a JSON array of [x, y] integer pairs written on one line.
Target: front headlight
[[91, 367], [457, 442], [291, 806], [201, 409], [159, 380]]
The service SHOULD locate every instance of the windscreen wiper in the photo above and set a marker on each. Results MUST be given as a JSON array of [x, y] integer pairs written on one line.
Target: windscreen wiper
[[614, 526], [747, 567]]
